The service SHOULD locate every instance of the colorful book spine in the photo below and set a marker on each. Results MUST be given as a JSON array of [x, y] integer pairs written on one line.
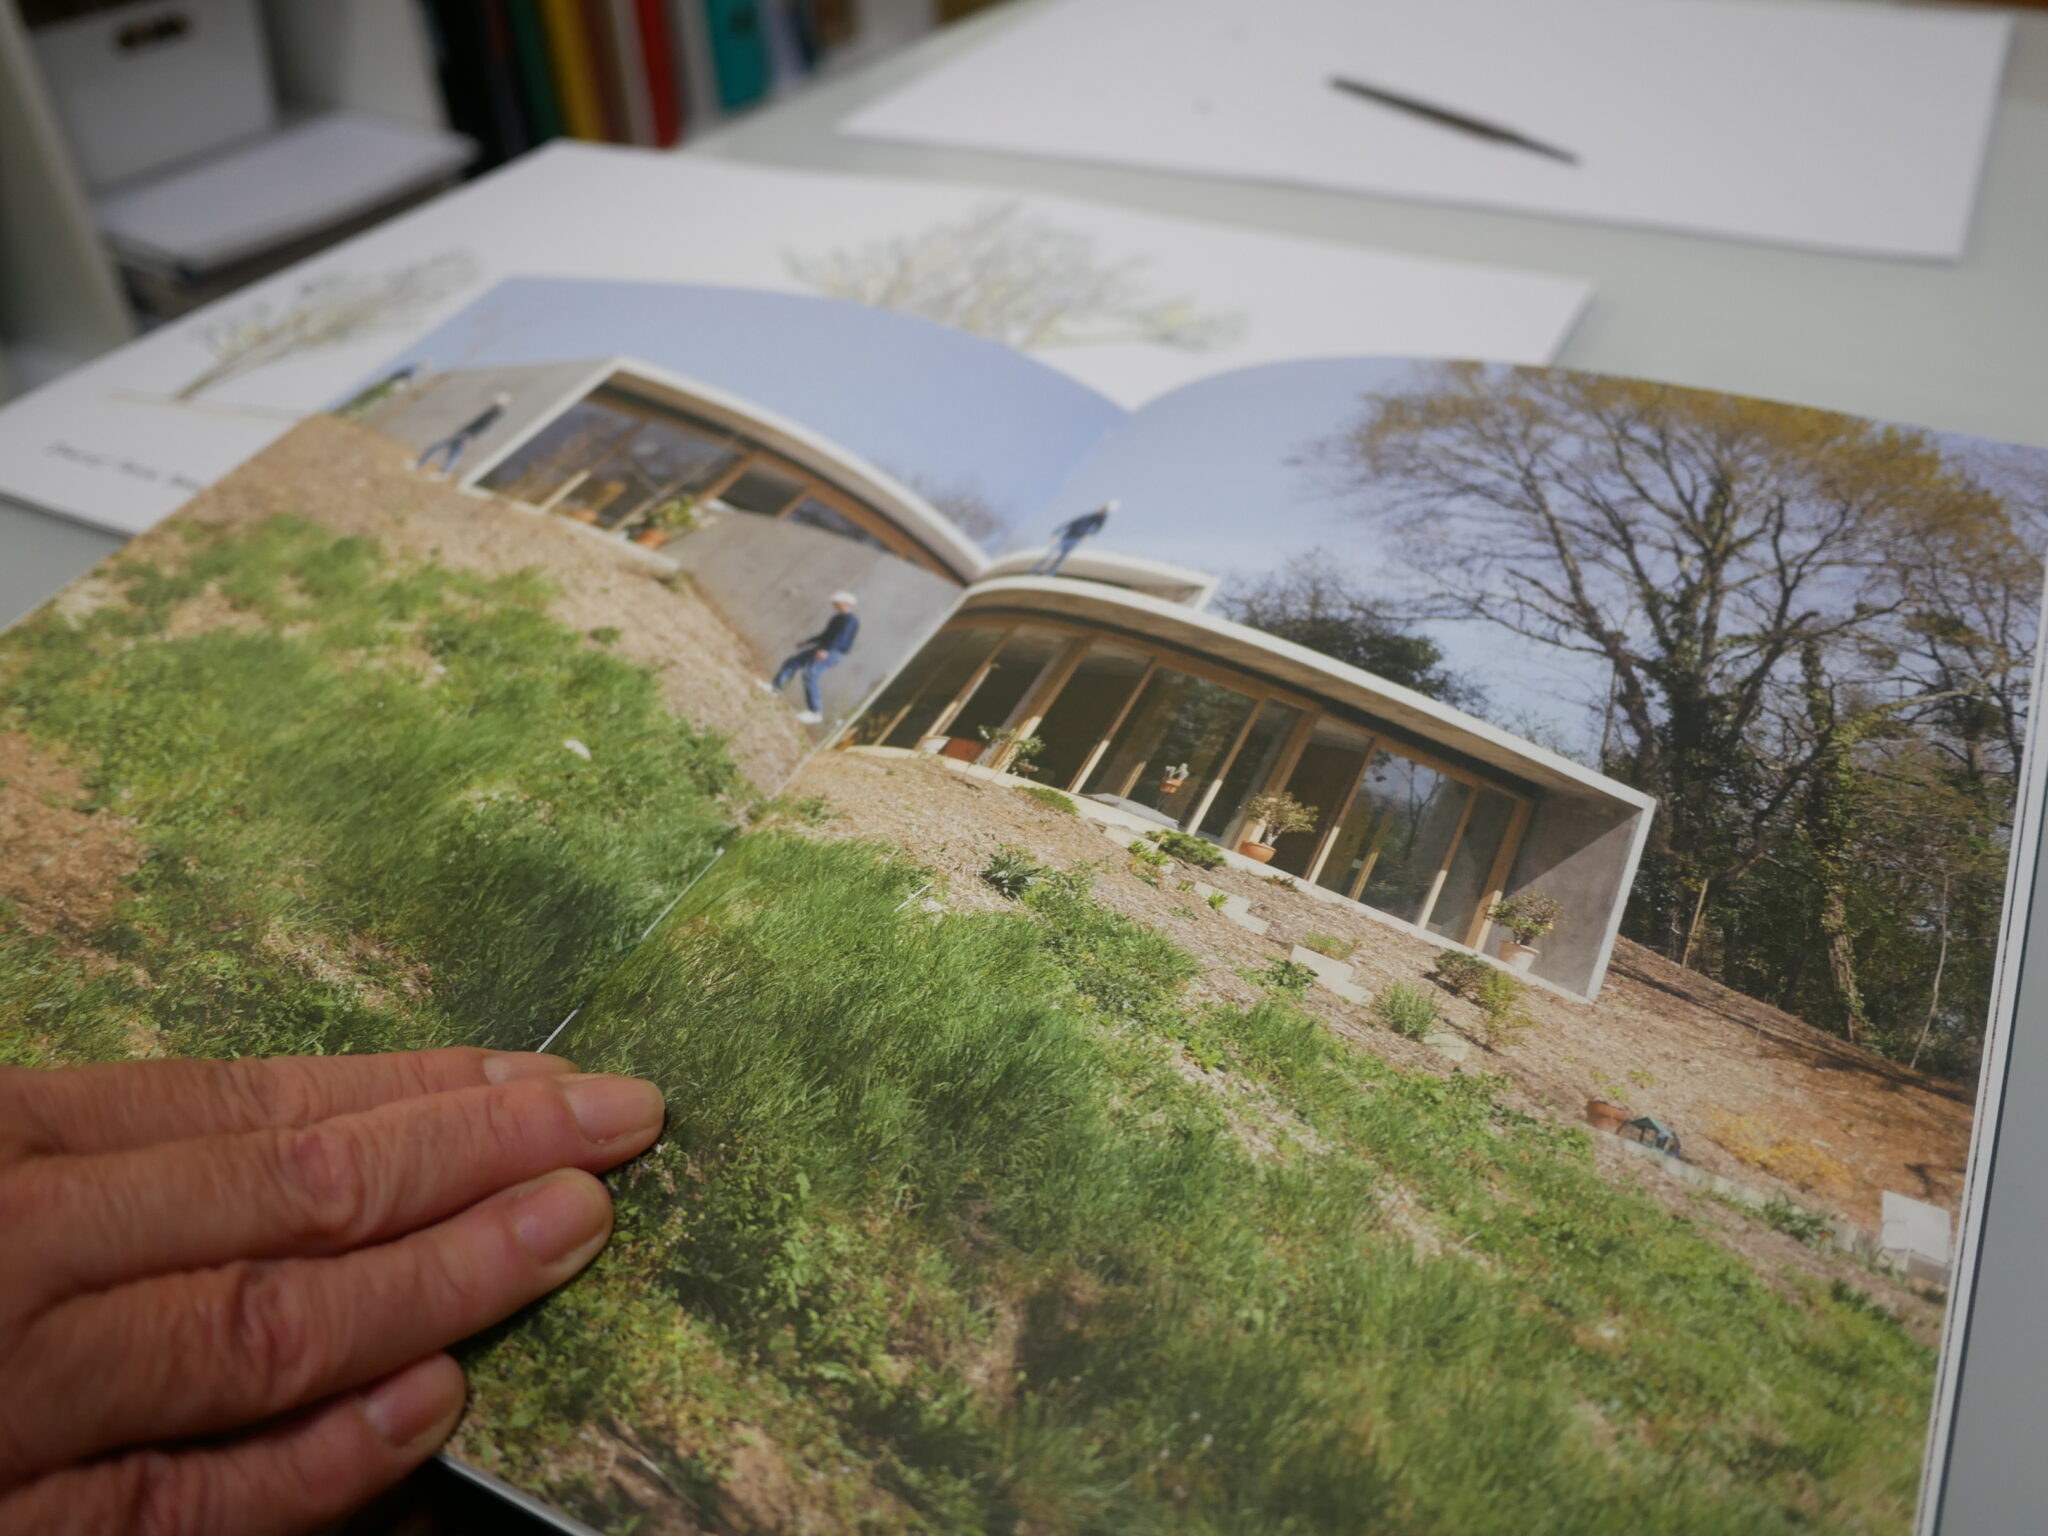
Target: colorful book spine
[[536, 78], [576, 80], [664, 82], [636, 100], [604, 65], [739, 51]]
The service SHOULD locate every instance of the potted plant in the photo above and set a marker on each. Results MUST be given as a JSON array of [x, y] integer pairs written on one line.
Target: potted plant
[[1527, 916], [1270, 817], [1011, 750], [1173, 779], [676, 515]]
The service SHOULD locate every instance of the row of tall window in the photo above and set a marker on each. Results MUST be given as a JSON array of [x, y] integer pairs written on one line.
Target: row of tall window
[[623, 458], [1128, 727]]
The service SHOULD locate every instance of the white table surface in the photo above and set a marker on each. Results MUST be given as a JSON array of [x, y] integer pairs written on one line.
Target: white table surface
[[1962, 347]]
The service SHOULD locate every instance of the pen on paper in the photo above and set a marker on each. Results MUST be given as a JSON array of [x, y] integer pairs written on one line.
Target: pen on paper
[[1444, 117]]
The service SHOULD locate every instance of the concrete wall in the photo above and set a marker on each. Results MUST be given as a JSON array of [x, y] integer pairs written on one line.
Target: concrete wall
[[771, 581], [1582, 851], [442, 402]]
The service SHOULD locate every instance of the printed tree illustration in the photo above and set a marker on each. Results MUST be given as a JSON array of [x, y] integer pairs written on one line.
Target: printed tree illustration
[[327, 310], [1018, 279]]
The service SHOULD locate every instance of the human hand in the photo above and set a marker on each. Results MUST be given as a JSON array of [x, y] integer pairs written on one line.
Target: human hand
[[821, 655], [227, 1286]]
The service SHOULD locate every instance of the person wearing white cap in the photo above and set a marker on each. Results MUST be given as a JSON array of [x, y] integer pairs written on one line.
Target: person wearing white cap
[[815, 654]]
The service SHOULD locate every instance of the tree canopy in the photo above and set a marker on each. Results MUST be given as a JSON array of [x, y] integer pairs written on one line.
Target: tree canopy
[[1816, 630]]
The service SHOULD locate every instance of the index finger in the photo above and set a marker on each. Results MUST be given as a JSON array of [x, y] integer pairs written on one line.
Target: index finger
[[120, 1106]]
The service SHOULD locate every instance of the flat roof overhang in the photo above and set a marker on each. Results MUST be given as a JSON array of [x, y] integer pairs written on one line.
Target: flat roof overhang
[[932, 530], [1299, 670]]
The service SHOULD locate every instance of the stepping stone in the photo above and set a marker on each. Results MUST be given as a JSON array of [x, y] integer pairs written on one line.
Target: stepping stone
[[1456, 1047], [1327, 970]]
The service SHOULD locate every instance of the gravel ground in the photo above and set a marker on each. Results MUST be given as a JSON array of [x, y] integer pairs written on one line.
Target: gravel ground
[[1756, 1094]]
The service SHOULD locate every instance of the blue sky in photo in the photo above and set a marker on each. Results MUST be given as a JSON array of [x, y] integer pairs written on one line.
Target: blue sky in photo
[[927, 403], [1211, 476]]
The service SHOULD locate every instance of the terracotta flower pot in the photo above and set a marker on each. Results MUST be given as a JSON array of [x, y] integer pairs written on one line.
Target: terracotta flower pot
[[1603, 1116], [1262, 852], [651, 538], [1519, 956], [1171, 786]]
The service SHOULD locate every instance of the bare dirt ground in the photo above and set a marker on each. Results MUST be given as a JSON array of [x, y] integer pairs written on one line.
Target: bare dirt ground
[[65, 865], [350, 479], [1756, 1094]]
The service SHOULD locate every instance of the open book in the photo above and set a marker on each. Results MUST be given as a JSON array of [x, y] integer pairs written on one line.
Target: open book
[[1368, 943]]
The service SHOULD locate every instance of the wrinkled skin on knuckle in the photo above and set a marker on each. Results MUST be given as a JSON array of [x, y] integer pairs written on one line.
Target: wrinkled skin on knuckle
[[329, 1178], [158, 1497], [273, 1093], [23, 1131], [265, 1337]]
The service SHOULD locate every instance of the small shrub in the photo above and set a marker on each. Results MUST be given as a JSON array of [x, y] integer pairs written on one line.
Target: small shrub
[[1781, 1215], [1528, 915], [1188, 848], [1498, 993], [809, 810], [1406, 1010], [606, 634], [1217, 901], [1288, 978], [1285, 882], [1147, 861], [1049, 797], [1011, 871], [1336, 949], [1461, 974], [1016, 749]]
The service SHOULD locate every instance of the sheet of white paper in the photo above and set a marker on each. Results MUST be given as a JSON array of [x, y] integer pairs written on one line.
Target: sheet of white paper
[[1149, 303], [1849, 127], [302, 179]]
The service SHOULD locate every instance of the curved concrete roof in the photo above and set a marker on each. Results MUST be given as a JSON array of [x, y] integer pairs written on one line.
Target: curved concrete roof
[[938, 534], [1298, 669]]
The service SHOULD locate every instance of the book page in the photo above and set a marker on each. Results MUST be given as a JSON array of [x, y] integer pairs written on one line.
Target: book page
[[1161, 1027], [1125, 303]]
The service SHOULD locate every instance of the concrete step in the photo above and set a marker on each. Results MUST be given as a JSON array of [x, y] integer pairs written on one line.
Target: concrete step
[[1237, 908], [1332, 975]]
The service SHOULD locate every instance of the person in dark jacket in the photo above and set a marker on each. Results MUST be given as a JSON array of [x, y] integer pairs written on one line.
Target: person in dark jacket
[[817, 654], [452, 447], [1069, 537]]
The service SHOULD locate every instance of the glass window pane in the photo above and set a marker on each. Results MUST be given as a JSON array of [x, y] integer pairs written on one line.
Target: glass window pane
[[1322, 778], [1415, 814], [1250, 770], [762, 489], [1017, 667], [1084, 710], [903, 715], [1465, 885], [813, 513], [1170, 744]]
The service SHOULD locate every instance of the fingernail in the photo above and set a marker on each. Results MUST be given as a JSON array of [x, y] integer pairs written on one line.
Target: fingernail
[[417, 1399], [560, 1214], [607, 1108], [509, 1066]]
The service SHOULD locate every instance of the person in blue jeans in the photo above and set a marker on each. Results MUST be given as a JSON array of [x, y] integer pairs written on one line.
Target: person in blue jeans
[[1068, 539], [451, 448], [817, 655]]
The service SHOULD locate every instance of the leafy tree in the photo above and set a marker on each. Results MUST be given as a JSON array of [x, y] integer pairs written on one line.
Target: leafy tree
[[1312, 601], [1801, 614]]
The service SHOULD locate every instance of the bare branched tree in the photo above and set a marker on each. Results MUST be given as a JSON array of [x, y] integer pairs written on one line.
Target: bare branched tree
[[328, 309], [1017, 279]]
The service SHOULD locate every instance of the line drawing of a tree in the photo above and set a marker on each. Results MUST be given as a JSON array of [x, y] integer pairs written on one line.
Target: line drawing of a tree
[[1016, 278], [327, 309]]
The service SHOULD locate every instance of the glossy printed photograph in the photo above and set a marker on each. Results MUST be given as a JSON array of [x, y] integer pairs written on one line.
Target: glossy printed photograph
[[1366, 945]]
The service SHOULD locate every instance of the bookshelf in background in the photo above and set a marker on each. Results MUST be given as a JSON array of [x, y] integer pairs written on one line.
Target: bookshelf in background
[[516, 73]]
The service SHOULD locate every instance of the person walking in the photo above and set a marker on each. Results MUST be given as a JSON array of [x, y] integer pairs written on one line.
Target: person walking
[[452, 447], [1068, 538], [818, 654]]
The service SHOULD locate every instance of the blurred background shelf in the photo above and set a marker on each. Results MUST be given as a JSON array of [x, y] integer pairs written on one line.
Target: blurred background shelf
[[326, 116]]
